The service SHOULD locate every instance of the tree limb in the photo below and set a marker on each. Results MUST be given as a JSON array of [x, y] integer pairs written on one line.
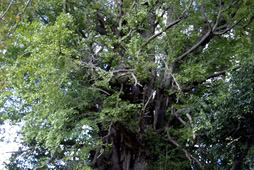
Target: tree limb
[[118, 96], [245, 25], [179, 117], [218, 19], [27, 4], [209, 32], [168, 26], [205, 19], [136, 80], [21, 151], [42, 166], [187, 154], [232, 26], [159, 33], [120, 14], [189, 86], [144, 108], [220, 12], [94, 88], [244, 153], [6, 10]]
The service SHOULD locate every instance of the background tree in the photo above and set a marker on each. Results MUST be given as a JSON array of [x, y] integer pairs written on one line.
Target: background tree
[[131, 84]]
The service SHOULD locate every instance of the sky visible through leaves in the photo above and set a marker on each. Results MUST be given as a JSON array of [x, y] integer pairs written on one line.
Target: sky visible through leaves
[[9, 142]]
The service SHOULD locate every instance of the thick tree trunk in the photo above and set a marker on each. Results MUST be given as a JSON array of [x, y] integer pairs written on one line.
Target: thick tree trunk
[[125, 152]]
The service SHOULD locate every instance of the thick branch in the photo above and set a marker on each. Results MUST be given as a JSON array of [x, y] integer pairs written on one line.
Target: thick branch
[[232, 26], [248, 23], [209, 33], [220, 12], [179, 117], [168, 26], [159, 33], [244, 153], [136, 80], [120, 15], [193, 47], [217, 20], [189, 86]]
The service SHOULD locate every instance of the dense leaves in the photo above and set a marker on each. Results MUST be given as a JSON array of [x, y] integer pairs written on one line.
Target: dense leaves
[[131, 84], [225, 119]]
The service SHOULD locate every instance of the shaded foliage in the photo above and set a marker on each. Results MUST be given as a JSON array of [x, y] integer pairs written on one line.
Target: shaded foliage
[[131, 84]]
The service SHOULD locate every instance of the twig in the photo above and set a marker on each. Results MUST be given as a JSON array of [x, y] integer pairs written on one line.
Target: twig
[[133, 4], [42, 166], [94, 88], [118, 96], [189, 86], [92, 66], [20, 16], [186, 9], [187, 154], [6, 10], [204, 15], [21, 151], [109, 132], [219, 15], [249, 22], [17, 3], [97, 155], [124, 37], [232, 26], [163, 13], [100, 153], [232, 4], [178, 86], [123, 70]]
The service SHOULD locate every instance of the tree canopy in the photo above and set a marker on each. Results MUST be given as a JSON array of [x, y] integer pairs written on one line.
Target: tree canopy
[[141, 84]]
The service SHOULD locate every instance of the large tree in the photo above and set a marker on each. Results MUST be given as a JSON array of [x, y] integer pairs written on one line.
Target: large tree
[[143, 84]]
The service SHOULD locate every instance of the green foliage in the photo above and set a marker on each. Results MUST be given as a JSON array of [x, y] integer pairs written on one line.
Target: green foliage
[[96, 84], [225, 115]]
